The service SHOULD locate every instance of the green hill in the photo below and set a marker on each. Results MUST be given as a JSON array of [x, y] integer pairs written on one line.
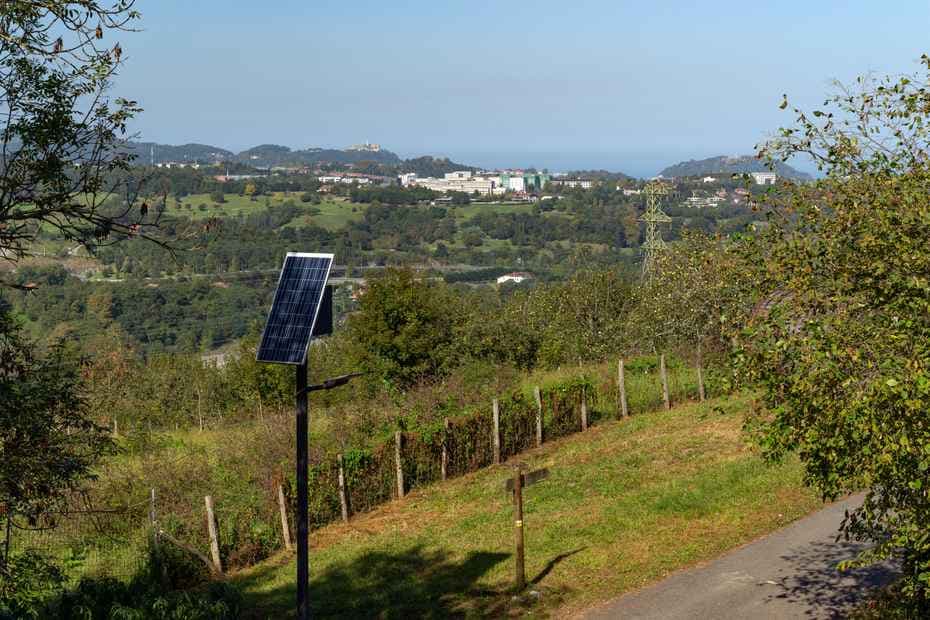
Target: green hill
[[730, 165]]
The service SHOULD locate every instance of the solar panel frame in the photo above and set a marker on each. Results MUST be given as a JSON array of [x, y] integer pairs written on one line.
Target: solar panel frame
[[290, 301]]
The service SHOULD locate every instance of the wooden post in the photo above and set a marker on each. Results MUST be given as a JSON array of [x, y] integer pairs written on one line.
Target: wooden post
[[285, 528], [621, 386], [519, 568], [664, 373], [445, 448], [214, 538], [496, 431], [343, 496], [584, 410], [539, 416], [153, 520], [398, 460], [700, 373], [115, 427]]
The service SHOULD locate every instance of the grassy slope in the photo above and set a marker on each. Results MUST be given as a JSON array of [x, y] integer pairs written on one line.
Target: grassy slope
[[626, 503], [334, 214]]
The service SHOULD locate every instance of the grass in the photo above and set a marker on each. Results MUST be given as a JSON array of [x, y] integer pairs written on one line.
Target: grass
[[626, 503], [333, 214], [463, 213]]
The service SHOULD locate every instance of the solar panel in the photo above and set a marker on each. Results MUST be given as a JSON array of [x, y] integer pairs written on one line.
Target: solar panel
[[294, 309]]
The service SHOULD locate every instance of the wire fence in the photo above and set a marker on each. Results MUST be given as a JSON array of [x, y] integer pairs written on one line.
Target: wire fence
[[255, 508], [83, 541]]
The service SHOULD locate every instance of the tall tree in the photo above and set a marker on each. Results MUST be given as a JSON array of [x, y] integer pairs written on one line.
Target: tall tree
[[840, 335]]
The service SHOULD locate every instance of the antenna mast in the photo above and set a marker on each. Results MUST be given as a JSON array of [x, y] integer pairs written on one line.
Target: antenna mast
[[653, 216]]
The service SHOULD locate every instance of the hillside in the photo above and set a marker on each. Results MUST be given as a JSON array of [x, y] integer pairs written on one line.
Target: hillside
[[275, 155], [625, 504], [730, 165], [200, 153]]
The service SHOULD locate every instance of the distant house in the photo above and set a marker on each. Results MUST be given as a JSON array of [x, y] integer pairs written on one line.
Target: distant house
[[709, 179], [764, 178], [516, 277], [582, 183]]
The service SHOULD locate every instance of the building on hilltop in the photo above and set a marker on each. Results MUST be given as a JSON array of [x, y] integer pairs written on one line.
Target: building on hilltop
[[368, 146]]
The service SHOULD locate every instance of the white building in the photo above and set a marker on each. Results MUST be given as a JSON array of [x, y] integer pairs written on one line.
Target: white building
[[516, 184], [408, 179], [632, 192], [764, 178], [709, 179], [701, 202], [462, 181], [516, 277], [345, 180], [582, 183]]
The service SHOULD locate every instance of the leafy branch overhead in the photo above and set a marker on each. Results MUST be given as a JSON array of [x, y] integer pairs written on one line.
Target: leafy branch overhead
[[63, 166]]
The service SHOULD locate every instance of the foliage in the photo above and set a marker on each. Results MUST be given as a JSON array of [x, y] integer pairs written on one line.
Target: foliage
[[26, 581], [61, 134], [106, 598], [839, 337], [405, 328], [694, 297], [48, 444]]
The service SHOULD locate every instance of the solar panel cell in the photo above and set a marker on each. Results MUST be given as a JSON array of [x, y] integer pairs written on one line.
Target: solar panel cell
[[294, 309]]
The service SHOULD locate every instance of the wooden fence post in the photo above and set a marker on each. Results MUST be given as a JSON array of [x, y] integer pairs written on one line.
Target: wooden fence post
[[584, 410], [539, 416], [285, 528], [343, 496], [214, 537], [496, 431], [153, 519], [621, 387], [664, 373], [700, 372], [446, 425], [398, 459]]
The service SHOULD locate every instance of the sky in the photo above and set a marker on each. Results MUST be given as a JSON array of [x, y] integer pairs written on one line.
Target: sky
[[608, 84]]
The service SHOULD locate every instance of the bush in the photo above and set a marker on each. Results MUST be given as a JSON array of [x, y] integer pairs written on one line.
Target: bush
[[26, 582]]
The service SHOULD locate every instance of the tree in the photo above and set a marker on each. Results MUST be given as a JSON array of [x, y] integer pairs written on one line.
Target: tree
[[48, 444], [693, 297], [839, 336], [404, 330], [62, 138]]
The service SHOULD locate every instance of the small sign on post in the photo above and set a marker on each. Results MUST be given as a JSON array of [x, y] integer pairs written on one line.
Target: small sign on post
[[515, 485]]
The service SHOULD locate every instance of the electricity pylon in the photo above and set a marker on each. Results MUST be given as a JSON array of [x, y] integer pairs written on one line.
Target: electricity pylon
[[653, 217]]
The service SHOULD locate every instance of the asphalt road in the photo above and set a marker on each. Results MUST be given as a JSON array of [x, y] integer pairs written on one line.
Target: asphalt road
[[788, 574]]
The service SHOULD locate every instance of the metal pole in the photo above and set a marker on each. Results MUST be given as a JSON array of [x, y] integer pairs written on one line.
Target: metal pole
[[303, 534], [519, 570]]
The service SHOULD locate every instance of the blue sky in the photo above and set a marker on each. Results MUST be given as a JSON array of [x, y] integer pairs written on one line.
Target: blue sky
[[628, 86]]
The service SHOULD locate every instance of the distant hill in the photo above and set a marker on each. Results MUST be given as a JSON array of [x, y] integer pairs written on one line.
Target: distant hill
[[275, 155], [199, 153], [261, 156], [427, 166], [600, 175], [730, 165]]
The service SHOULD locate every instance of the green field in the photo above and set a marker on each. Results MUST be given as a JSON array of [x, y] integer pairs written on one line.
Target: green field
[[627, 502], [334, 213]]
